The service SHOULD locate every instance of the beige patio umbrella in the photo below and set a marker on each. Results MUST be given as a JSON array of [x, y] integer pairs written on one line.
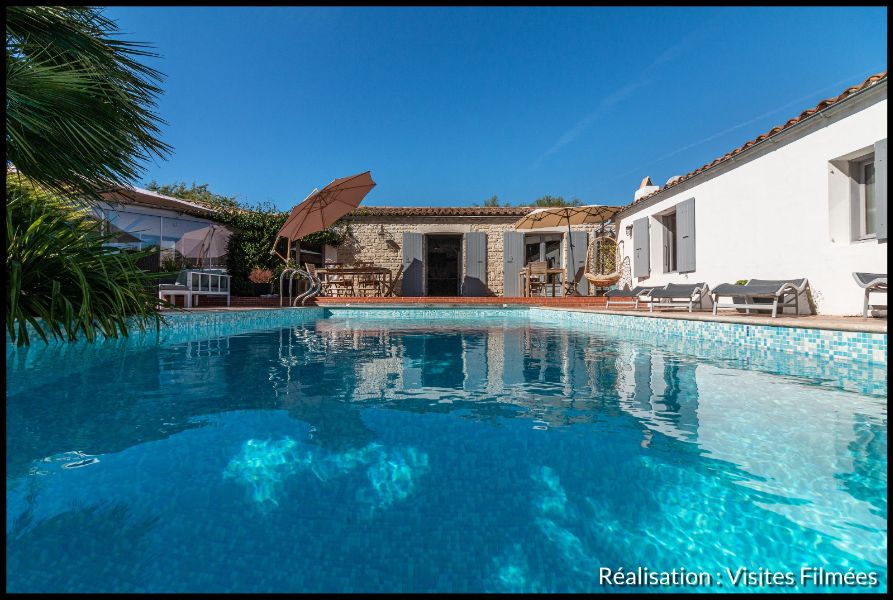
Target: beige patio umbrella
[[556, 216], [323, 207]]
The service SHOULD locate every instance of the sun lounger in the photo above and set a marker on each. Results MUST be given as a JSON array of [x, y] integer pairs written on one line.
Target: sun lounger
[[871, 282], [629, 297], [680, 295], [783, 293]]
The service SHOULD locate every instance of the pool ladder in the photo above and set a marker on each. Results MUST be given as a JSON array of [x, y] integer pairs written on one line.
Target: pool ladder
[[290, 273]]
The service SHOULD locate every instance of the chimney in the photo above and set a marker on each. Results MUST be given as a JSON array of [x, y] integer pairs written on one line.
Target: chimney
[[645, 188]]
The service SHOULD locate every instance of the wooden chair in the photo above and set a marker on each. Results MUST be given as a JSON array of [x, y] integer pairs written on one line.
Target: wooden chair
[[337, 284], [369, 283], [539, 279]]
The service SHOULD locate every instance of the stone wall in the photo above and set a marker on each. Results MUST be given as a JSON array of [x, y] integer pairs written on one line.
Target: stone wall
[[368, 244]]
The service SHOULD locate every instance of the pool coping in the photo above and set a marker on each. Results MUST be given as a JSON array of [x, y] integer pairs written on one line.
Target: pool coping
[[821, 322]]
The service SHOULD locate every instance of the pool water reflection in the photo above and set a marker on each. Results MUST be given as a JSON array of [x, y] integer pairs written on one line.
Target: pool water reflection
[[370, 455]]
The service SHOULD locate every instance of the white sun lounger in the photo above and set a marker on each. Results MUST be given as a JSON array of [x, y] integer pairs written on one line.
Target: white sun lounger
[[783, 293], [871, 282], [680, 295]]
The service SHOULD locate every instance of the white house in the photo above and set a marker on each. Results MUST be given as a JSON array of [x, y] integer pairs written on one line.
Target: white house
[[183, 232], [807, 199]]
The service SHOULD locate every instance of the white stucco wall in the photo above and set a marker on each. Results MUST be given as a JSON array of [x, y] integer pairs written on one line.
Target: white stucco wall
[[777, 211]]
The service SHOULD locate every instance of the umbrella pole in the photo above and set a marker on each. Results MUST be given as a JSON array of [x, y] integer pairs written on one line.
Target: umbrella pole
[[570, 244]]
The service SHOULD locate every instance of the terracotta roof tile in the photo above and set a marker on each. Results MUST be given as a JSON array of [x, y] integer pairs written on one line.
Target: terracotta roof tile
[[874, 79], [441, 211]]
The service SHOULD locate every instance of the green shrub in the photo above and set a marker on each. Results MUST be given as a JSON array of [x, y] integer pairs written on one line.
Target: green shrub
[[62, 278]]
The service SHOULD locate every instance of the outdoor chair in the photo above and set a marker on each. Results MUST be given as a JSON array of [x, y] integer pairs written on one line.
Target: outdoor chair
[[679, 295], [539, 278], [871, 282], [629, 297], [368, 283], [776, 293]]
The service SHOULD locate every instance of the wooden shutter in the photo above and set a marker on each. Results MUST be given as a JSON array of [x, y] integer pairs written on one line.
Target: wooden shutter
[[413, 264], [685, 234], [641, 250], [880, 186], [579, 239], [512, 261], [475, 281]]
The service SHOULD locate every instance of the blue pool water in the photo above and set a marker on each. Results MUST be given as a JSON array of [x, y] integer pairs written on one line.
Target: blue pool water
[[490, 454]]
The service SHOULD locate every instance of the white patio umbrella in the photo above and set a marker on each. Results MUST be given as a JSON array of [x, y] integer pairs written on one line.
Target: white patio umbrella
[[557, 216]]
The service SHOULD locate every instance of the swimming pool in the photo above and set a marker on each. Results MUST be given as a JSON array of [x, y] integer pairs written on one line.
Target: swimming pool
[[490, 450]]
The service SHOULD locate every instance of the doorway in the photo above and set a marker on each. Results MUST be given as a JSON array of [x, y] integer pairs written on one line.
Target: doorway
[[546, 248], [442, 264]]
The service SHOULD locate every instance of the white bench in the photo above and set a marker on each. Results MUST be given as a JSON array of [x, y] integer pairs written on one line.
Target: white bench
[[192, 283]]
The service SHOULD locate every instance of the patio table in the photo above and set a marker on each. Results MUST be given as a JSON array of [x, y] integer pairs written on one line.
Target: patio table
[[382, 274], [524, 278]]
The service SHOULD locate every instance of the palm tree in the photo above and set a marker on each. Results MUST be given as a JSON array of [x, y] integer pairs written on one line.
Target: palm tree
[[79, 104]]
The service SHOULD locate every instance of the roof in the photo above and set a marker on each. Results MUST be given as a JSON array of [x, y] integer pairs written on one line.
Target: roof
[[850, 91], [135, 195], [441, 211]]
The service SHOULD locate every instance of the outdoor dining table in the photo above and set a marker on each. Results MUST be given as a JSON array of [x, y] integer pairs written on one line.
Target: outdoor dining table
[[524, 278], [381, 274]]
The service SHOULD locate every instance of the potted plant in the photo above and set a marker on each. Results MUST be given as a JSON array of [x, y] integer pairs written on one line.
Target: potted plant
[[262, 280]]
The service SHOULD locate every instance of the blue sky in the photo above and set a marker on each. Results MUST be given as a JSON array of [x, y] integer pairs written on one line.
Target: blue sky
[[448, 106]]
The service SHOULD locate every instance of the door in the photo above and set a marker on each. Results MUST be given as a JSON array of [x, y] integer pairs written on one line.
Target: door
[[442, 254]]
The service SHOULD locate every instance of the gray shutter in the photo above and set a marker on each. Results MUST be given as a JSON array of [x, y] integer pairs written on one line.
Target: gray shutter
[[685, 235], [880, 186], [475, 281], [641, 250], [413, 262], [579, 239], [513, 262]]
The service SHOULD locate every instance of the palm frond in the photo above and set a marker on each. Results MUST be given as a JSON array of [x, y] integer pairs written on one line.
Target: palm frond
[[80, 105]]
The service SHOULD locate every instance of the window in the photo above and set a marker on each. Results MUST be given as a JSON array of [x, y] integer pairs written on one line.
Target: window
[[669, 245], [865, 198], [857, 195], [543, 247]]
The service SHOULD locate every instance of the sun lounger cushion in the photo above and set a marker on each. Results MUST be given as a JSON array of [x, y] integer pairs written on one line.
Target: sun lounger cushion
[[756, 287], [867, 279], [639, 290], [678, 290]]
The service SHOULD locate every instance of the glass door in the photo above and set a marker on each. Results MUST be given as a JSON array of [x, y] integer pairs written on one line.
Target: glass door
[[545, 247]]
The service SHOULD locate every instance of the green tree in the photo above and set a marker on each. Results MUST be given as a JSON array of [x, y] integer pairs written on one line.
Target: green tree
[[546, 201], [491, 201], [196, 193], [79, 104]]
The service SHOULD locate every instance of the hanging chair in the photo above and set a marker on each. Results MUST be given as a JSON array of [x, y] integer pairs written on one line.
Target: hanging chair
[[604, 253]]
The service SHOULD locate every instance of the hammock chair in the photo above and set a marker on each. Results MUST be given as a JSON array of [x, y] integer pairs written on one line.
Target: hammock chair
[[604, 253]]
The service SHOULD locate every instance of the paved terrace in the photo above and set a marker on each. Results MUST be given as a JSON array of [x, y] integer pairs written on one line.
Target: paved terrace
[[582, 303]]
